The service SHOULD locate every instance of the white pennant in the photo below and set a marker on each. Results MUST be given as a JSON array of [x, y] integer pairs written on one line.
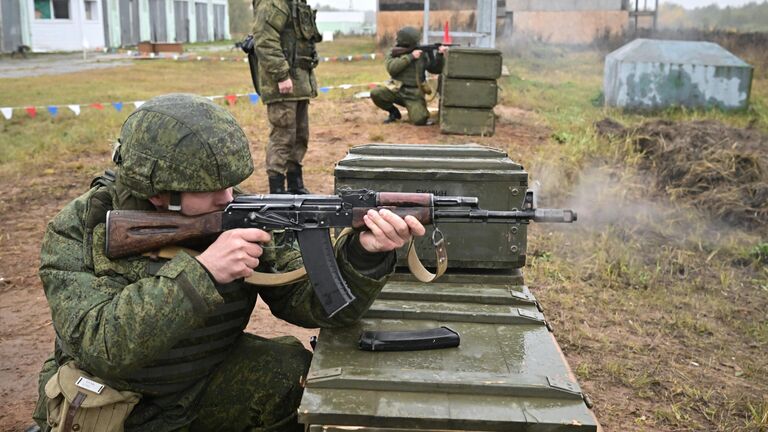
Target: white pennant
[[75, 109], [138, 104], [345, 86], [7, 113]]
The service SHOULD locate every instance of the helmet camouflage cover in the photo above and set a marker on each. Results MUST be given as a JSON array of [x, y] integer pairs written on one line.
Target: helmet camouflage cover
[[181, 143], [407, 37]]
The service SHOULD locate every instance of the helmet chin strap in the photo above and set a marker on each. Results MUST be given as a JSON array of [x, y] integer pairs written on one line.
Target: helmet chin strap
[[174, 204]]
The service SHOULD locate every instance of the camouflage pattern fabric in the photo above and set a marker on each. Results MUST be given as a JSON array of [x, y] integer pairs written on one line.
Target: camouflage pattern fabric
[[121, 320], [285, 47], [288, 137], [258, 385], [410, 98], [405, 69], [182, 142]]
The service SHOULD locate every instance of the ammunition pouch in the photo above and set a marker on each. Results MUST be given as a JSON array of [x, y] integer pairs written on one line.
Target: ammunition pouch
[[306, 63], [77, 401], [394, 85]]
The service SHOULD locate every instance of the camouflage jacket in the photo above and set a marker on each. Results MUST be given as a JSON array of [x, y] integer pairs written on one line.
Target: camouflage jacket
[[117, 318], [405, 68], [284, 37]]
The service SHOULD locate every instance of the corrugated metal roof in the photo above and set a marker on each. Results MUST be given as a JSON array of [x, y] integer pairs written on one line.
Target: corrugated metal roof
[[676, 52]]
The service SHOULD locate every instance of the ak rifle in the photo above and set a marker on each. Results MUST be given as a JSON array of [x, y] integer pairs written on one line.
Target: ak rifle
[[310, 218]]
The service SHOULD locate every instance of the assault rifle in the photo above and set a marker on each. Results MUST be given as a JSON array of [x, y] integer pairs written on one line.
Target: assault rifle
[[310, 217], [429, 50]]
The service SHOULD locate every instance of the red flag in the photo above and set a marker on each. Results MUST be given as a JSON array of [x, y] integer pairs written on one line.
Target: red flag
[[372, 85], [446, 34], [32, 111], [231, 99], [97, 105]]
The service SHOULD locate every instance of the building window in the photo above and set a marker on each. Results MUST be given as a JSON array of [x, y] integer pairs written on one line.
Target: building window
[[91, 10], [52, 9]]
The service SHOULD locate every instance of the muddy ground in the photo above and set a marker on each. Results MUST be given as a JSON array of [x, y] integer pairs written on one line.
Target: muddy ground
[[28, 202]]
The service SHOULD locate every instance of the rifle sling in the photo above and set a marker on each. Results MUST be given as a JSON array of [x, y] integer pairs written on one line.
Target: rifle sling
[[257, 278], [279, 279], [418, 269]]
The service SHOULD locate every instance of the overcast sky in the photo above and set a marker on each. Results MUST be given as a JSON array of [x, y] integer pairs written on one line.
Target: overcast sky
[[689, 4]]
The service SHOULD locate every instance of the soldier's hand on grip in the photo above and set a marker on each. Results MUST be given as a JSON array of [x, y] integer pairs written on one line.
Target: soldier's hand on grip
[[416, 53], [388, 231], [234, 254]]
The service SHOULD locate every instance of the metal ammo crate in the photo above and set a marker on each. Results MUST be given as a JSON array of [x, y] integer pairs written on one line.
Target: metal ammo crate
[[450, 170], [507, 374]]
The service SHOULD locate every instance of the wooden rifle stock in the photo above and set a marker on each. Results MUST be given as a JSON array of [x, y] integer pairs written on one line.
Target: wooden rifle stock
[[143, 231]]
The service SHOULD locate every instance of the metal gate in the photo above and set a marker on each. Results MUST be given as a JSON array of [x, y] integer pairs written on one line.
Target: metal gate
[[201, 21], [157, 21], [129, 22], [181, 17], [218, 22], [9, 9]]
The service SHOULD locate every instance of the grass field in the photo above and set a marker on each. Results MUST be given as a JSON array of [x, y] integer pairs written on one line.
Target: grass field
[[660, 310]]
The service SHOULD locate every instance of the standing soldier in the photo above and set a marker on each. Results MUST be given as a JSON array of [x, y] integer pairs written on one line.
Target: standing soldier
[[284, 38], [407, 77]]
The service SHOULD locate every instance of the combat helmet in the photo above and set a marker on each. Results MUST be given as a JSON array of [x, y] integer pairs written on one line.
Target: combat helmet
[[407, 37], [181, 143]]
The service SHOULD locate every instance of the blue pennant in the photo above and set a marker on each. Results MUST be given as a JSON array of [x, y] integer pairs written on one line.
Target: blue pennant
[[253, 97], [325, 89], [53, 110], [118, 106]]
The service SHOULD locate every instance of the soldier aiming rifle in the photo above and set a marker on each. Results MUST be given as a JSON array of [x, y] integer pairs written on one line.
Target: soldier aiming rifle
[[407, 65]]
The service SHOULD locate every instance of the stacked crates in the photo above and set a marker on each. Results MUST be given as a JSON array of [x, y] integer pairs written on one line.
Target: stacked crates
[[469, 91]]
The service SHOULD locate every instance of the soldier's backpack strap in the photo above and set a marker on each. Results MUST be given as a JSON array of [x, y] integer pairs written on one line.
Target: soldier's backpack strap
[[441, 258], [106, 179]]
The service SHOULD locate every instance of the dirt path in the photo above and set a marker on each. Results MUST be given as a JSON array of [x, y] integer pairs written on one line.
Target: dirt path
[[26, 204]]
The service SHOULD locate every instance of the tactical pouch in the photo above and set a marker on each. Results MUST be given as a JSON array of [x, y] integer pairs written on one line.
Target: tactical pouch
[[307, 25], [394, 85], [77, 401]]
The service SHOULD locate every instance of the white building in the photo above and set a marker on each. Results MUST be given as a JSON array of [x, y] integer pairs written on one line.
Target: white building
[[71, 25]]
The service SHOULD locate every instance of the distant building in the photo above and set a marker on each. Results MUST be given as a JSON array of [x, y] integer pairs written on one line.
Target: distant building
[[345, 22], [555, 21], [71, 25]]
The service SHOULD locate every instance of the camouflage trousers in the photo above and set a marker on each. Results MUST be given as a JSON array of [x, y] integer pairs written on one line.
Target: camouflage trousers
[[257, 388], [289, 136], [409, 97]]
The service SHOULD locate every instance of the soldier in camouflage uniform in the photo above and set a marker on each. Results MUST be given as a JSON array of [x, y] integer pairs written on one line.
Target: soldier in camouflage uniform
[[172, 330], [407, 72], [284, 37]]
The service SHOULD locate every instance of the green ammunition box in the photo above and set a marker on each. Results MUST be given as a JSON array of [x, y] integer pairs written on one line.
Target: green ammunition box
[[507, 374], [451, 170], [469, 93], [472, 63], [466, 121]]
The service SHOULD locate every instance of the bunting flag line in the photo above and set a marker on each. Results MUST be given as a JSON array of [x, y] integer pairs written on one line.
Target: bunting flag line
[[194, 57], [231, 100]]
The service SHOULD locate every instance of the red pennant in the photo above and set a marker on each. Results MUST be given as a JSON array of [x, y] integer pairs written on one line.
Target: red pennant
[[446, 34], [32, 111], [97, 105], [231, 99], [372, 85]]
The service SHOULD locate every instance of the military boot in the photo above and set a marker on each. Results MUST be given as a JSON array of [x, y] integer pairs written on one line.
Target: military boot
[[296, 181], [394, 115], [277, 184]]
